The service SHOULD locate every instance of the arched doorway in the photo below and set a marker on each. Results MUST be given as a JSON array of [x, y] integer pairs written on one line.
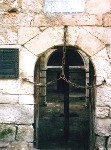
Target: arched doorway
[[49, 110]]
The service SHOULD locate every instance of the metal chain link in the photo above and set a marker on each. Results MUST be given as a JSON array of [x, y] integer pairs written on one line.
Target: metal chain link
[[76, 85], [68, 81], [84, 87], [62, 76], [53, 81], [64, 52]]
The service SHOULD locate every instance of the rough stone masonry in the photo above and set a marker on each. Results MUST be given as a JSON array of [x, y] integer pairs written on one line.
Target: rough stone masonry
[[33, 27]]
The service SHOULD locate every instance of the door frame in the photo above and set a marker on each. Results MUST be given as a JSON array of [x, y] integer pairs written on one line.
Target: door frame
[[40, 68]]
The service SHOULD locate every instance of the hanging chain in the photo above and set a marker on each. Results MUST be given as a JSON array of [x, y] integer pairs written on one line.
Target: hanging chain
[[84, 87], [62, 76], [76, 85], [64, 52], [68, 81], [52, 82]]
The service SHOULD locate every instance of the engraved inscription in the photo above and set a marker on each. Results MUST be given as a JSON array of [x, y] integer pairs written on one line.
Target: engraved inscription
[[9, 63], [64, 6]]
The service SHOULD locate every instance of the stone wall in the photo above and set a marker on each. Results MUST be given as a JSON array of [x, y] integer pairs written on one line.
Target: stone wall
[[24, 24]]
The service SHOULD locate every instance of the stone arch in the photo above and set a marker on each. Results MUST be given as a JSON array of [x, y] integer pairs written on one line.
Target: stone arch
[[91, 45], [76, 36], [38, 74]]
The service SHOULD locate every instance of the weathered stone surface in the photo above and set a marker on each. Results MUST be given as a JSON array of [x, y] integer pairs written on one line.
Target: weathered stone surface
[[11, 36], [103, 71], [25, 133], [25, 34], [102, 33], [56, 35], [102, 112], [9, 99], [110, 113], [98, 6], [10, 20], [27, 62], [42, 74], [107, 20], [8, 36], [9, 86], [53, 36], [43, 81], [101, 148], [100, 142], [42, 90], [23, 145], [20, 114], [4, 144], [103, 127], [80, 20], [18, 19], [90, 48], [103, 96], [72, 35], [90, 44], [70, 20], [35, 6], [109, 143], [26, 99], [7, 133], [11, 6], [1, 19], [41, 20], [26, 87], [25, 19], [19, 145], [3, 34]]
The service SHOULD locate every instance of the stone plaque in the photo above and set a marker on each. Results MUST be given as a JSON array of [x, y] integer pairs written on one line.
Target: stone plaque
[[70, 6], [9, 63]]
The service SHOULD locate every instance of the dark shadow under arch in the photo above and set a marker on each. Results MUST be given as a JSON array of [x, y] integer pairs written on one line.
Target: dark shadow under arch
[[55, 58]]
